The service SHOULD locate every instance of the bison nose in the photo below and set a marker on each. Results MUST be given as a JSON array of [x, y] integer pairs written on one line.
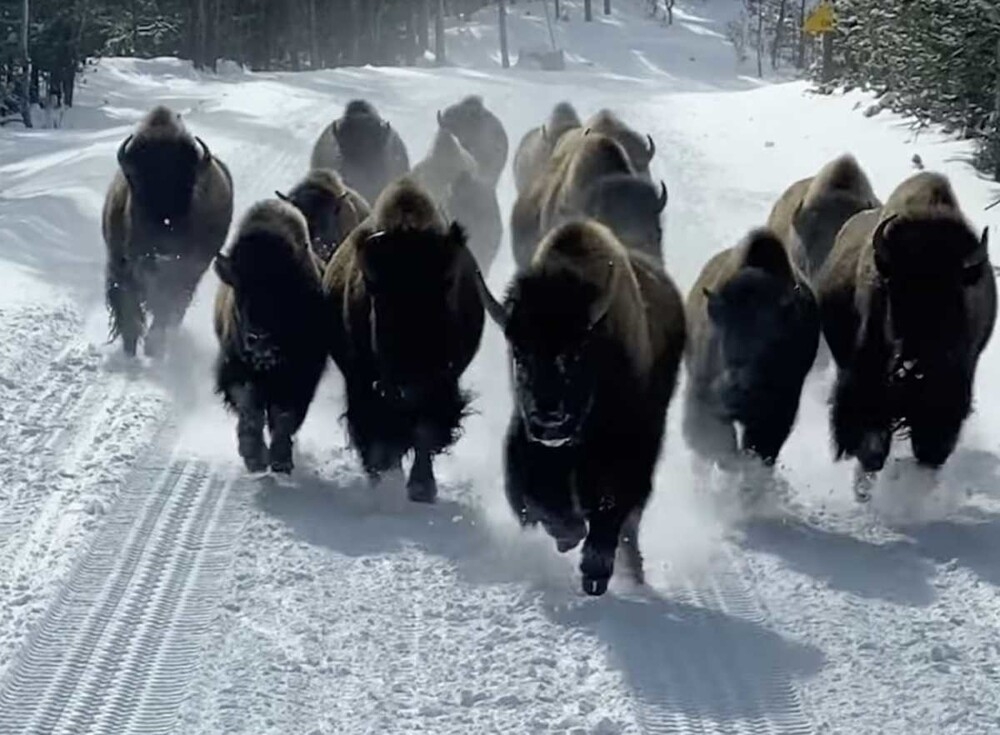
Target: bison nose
[[549, 418]]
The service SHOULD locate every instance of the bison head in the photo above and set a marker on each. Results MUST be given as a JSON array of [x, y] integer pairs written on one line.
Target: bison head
[[927, 265], [361, 137], [550, 320], [161, 171], [630, 207], [328, 216], [411, 281]]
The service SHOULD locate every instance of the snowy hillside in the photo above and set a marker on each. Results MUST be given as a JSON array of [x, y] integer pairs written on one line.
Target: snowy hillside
[[148, 586]]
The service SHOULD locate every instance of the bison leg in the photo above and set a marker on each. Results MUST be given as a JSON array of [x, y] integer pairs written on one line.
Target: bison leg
[[124, 298], [250, 409], [709, 435], [598, 560], [421, 487], [376, 432], [765, 436], [282, 423], [170, 298], [629, 544]]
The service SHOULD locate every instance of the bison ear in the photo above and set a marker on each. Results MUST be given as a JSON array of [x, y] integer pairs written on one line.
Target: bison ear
[[224, 270], [984, 239]]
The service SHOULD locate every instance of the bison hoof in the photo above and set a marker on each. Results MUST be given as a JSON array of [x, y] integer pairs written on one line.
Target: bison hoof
[[424, 491], [152, 346], [255, 464], [595, 586], [282, 466], [566, 544], [129, 346]]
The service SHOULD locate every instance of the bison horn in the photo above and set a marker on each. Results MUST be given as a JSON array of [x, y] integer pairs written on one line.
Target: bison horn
[[545, 135], [586, 131], [493, 307], [282, 196], [600, 308], [662, 201], [122, 148], [440, 119], [981, 254], [206, 153], [651, 148], [878, 244]]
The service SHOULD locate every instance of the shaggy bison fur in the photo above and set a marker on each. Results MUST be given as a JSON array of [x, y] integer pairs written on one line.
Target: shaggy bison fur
[[363, 148], [596, 334], [331, 208], [166, 215], [271, 355], [753, 330], [811, 212], [908, 302], [407, 322], [640, 150]]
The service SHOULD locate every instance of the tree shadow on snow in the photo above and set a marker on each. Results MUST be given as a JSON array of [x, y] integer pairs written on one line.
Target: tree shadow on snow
[[695, 661], [889, 571]]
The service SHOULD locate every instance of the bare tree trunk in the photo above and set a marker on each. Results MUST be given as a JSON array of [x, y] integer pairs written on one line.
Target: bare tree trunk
[[607, 7], [801, 61], [26, 62], [760, 39], [313, 37], [423, 24], [670, 11], [778, 32], [504, 50], [588, 11], [827, 73], [996, 121], [439, 51], [557, 9]]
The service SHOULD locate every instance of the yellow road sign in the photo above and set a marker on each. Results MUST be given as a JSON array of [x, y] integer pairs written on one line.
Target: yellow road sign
[[821, 20]]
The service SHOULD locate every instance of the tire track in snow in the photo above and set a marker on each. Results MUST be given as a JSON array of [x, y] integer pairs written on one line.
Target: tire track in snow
[[720, 680], [116, 648]]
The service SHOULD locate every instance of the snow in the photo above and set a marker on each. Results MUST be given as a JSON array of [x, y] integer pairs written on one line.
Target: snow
[[149, 586]]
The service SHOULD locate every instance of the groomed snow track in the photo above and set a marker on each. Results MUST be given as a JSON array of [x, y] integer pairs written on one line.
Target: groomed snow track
[[118, 645]]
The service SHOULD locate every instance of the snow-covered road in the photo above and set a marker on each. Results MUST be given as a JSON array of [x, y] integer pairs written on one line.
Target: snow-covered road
[[148, 586]]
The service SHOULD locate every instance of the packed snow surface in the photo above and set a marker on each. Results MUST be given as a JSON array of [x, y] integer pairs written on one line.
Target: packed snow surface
[[148, 586]]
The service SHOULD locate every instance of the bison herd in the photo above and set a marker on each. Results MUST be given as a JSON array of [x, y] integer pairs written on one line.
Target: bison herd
[[379, 265]]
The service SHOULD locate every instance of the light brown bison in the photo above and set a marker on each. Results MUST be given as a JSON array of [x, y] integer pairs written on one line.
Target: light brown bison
[[538, 143], [363, 148], [166, 215], [271, 355], [406, 323], [908, 303], [811, 212], [753, 330], [331, 208], [480, 132], [558, 194], [596, 333], [640, 149]]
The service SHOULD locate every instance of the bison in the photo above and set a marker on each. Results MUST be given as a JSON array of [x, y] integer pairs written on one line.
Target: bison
[[451, 176], [538, 143], [480, 132], [331, 208], [363, 148], [166, 215], [640, 149], [753, 331], [407, 322], [908, 303], [811, 212], [271, 355], [558, 194], [596, 334]]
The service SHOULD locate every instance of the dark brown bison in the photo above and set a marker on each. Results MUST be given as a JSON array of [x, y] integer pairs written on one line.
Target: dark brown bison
[[166, 215], [480, 132], [363, 148], [407, 322], [596, 334], [631, 207], [559, 193], [908, 303], [753, 329], [811, 212], [271, 355], [450, 174], [331, 208], [538, 143], [640, 149]]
